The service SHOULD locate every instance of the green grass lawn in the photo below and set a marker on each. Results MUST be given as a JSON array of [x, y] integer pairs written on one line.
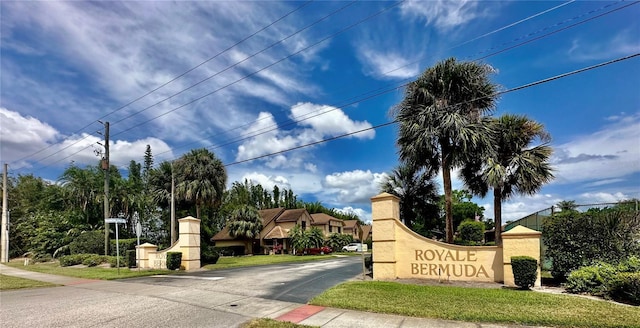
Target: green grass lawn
[[270, 323], [9, 282], [243, 261], [479, 305], [87, 273]]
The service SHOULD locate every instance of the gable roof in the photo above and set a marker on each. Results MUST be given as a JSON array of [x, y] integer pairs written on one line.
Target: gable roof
[[366, 231], [277, 233], [322, 219], [291, 215], [350, 224]]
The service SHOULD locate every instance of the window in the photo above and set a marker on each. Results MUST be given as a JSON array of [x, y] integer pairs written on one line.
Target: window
[[339, 230], [304, 225], [330, 227]]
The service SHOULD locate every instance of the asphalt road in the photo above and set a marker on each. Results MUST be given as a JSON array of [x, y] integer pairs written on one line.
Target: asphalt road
[[289, 282]]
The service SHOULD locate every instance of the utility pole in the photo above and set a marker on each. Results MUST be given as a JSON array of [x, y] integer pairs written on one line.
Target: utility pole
[[105, 167], [4, 257], [173, 206]]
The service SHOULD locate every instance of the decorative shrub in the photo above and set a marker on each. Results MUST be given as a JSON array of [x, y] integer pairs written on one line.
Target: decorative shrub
[[90, 242], [631, 264], [230, 250], [471, 231], [92, 260], [124, 244], [113, 261], [625, 287], [173, 260], [131, 258], [74, 259], [525, 270], [368, 262], [592, 279], [208, 255]]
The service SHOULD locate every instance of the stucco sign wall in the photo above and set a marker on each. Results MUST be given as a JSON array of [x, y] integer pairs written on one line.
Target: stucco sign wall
[[399, 252]]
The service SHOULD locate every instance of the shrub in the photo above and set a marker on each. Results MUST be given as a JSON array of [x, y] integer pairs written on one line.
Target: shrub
[[368, 262], [92, 260], [90, 242], [70, 260], [173, 260], [113, 261], [631, 264], [592, 279], [525, 271], [131, 258], [230, 250], [625, 287], [124, 245], [208, 255], [575, 239], [471, 231]]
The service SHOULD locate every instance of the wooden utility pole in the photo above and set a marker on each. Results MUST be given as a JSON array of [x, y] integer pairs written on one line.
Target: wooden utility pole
[[105, 167], [173, 206], [4, 234]]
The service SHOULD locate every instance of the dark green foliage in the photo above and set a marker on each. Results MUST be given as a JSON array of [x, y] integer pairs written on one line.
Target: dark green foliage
[[208, 255], [575, 239], [368, 262], [525, 271], [69, 260], [337, 240], [625, 287], [113, 261], [592, 279], [472, 231], [93, 260], [131, 258], [125, 245], [90, 242], [369, 243], [230, 250], [173, 260], [89, 260]]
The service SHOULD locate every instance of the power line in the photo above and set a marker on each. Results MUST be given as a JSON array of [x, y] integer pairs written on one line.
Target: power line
[[170, 81], [528, 85]]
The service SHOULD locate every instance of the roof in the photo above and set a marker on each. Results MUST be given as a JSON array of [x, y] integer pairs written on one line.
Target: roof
[[277, 233], [350, 224], [291, 215], [366, 231], [322, 219], [222, 235]]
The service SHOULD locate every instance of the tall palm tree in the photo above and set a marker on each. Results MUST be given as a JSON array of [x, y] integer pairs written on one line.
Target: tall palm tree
[[245, 223], [201, 178], [441, 118], [417, 190], [81, 186], [512, 166]]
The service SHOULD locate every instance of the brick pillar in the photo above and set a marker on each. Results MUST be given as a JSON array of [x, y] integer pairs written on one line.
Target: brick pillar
[[520, 241], [142, 254], [385, 212], [189, 242]]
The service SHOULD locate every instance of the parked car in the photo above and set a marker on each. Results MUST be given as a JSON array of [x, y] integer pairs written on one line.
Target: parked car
[[354, 247], [316, 251]]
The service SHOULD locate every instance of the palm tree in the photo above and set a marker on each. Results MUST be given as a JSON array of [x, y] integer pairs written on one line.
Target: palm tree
[[567, 205], [245, 223], [512, 165], [441, 118], [81, 186], [417, 190], [201, 178]]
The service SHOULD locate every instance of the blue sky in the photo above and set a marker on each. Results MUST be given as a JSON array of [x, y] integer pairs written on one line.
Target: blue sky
[[64, 65]]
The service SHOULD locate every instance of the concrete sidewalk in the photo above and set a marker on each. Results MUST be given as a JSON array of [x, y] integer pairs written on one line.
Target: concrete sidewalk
[[249, 307]]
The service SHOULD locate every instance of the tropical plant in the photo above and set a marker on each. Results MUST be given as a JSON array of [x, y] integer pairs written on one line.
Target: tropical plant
[[201, 178], [418, 193], [316, 237], [511, 164], [567, 205], [441, 119], [337, 240], [245, 223]]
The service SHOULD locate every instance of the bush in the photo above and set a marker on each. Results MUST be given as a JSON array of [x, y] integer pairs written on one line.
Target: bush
[[368, 262], [70, 260], [173, 260], [113, 261], [576, 239], [471, 231], [90, 242], [92, 260], [631, 264], [625, 287], [592, 279], [525, 271], [124, 245], [131, 258], [208, 255]]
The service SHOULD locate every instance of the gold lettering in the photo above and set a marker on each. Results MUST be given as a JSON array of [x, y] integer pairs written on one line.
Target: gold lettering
[[468, 273], [444, 270], [455, 273], [426, 255], [458, 256], [481, 269], [433, 269], [470, 254], [419, 255], [414, 268], [440, 254], [423, 269], [449, 255]]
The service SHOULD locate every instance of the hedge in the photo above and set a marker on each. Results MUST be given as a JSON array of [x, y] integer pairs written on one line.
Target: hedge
[[625, 287], [131, 258], [525, 271], [173, 260], [90, 242]]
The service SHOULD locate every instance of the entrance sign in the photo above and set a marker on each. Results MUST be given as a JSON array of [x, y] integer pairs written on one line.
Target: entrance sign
[[399, 252], [116, 221], [188, 244]]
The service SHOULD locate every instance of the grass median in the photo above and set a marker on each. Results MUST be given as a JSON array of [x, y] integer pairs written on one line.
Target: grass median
[[478, 305], [87, 272], [9, 283]]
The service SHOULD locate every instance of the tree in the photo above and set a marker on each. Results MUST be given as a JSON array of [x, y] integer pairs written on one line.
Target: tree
[[567, 205], [441, 119], [512, 166], [418, 193], [201, 178], [245, 223], [81, 187]]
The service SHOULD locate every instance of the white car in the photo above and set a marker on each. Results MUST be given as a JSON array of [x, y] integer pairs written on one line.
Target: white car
[[353, 247]]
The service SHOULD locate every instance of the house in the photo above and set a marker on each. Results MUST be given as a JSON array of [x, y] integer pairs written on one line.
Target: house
[[274, 236], [352, 227], [327, 223], [366, 232]]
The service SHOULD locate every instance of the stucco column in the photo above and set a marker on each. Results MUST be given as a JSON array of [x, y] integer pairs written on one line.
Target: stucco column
[[142, 254], [189, 242], [385, 212], [520, 241]]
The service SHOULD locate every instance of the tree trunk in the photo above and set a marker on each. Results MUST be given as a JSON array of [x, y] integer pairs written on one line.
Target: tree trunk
[[497, 214], [446, 177]]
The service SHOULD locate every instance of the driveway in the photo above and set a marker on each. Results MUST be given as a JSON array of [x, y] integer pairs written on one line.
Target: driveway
[[289, 282]]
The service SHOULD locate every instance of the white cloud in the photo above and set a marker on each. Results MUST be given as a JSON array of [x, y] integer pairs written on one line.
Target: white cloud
[[609, 153], [624, 43], [363, 214], [332, 121], [443, 14], [355, 187], [382, 64], [601, 197], [22, 136], [267, 181]]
